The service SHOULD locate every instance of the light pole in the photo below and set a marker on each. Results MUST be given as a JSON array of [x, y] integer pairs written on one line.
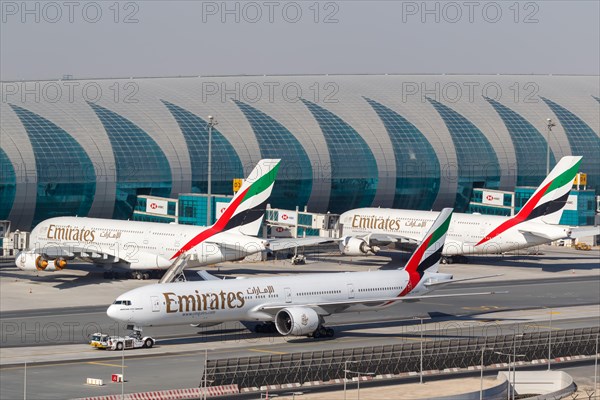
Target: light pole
[[358, 384], [421, 362], [515, 362], [483, 349], [596, 390], [550, 340], [509, 363], [211, 123], [123, 372], [345, 374], [204, 392], [549, 126], [25, 377]]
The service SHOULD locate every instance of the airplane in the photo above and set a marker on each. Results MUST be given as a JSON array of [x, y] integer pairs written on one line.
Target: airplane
[[364, 230], [147, 246], [294, 305]]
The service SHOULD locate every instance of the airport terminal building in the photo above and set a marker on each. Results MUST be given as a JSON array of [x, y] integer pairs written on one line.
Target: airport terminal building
[[90, 147]]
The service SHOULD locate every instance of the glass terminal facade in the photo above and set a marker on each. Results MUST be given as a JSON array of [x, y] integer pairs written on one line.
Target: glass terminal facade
[[367, 143]]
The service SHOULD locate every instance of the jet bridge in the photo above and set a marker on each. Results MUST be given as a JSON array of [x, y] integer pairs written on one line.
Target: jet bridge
[[11, 242], [295, 224]]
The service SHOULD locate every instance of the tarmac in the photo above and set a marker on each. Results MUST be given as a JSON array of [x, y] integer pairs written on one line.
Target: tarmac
[[561, 283], [83, 284]]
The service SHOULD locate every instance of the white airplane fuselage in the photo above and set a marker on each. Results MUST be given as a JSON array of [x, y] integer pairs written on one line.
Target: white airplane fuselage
[[133, 244], [216, 301], [464, 235]]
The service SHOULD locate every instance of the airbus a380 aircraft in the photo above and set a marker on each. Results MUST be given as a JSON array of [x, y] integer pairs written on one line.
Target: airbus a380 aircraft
[[297, 305], [365, 229], [150, 246]]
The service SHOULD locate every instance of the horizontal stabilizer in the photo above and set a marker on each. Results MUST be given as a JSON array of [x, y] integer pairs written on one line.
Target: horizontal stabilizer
[[541, 234], [447, 282]]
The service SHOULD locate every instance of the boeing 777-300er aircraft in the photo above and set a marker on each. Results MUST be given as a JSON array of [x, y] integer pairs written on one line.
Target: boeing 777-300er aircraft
[[365, 229], [143, 246], [296, 304]]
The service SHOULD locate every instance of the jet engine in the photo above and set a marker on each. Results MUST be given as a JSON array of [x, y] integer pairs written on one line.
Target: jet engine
[[352, 246], [33, 262], [60, 263], [297, 321]]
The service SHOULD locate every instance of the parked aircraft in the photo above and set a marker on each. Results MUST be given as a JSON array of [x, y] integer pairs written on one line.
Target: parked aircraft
[[294, 305], [143, 246], [365, 229]]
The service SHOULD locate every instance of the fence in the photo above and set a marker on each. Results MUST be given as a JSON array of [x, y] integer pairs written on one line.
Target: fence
[[395, 359]]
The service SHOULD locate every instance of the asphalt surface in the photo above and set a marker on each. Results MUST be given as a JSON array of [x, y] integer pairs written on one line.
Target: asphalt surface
[[74, 325], [165, 371], [535, 283], [181, 368]]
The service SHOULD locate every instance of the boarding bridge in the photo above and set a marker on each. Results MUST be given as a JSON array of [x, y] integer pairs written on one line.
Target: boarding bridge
[[11, 242], [280, 223]]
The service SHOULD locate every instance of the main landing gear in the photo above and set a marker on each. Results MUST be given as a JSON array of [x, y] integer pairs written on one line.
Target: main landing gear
[[454, 260], [267, 327], [139, 275], [322, 332]]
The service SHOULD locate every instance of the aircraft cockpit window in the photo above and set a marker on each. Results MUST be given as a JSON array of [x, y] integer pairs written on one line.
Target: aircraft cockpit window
[[123, 302]]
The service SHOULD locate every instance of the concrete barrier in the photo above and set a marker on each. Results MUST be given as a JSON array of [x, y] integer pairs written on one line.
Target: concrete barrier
[[547, 384], [173, 394], [94, 382], [496, 392]]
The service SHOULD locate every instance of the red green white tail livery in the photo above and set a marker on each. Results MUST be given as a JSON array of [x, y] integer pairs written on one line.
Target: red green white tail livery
[[547, 203]]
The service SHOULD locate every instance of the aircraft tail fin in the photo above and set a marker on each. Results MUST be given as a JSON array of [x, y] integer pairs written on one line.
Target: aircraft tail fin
[[247, 207], [428, 254], [548, 202]]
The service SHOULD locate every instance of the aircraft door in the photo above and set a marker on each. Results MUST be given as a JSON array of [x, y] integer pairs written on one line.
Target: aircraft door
[[350, 291], [155, 303], [288, 295]]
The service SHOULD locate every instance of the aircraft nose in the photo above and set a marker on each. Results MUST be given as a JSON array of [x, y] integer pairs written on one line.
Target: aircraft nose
[[112, 312], [20, 259]]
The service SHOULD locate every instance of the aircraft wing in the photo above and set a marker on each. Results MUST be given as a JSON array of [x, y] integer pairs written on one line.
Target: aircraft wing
[[207, 277], [326, 308], [87, 252], [290, 243], [383, 239]]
